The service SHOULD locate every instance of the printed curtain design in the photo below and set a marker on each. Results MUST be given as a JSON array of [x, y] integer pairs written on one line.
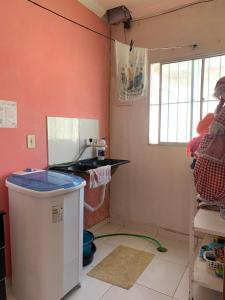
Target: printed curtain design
[[131, 72]]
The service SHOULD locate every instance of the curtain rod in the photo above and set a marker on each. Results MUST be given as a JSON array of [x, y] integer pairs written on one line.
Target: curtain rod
[[193, 46]]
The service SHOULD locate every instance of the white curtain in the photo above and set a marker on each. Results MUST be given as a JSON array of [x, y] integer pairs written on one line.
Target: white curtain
[[131, 72]]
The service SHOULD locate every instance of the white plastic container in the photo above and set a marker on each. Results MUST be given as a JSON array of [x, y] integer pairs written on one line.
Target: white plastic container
[[100, 150], [46, 226]]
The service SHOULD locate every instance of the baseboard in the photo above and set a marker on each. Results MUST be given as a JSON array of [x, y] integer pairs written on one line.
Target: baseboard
[[145, 227], [99, 225], [150, 227]]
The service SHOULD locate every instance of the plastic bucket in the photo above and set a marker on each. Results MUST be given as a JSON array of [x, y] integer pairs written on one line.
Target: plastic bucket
[[88, 238], [87, 259]]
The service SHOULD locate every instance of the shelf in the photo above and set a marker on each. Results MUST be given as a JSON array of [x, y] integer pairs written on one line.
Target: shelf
[[209, 222], [206, 277]]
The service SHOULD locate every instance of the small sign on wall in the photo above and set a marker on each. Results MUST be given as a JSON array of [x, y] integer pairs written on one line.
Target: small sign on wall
[[8, 114]]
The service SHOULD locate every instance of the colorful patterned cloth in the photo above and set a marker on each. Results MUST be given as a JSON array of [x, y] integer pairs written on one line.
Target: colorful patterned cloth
[[131, 72]]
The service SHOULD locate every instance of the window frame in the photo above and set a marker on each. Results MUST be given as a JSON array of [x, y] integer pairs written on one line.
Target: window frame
[[163, 62]]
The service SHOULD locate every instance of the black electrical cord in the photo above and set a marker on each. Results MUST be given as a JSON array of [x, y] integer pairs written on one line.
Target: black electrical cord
[[70, 20], [103, 35], [172, 10]]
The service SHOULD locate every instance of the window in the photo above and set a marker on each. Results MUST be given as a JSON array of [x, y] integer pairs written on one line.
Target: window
[[181, 93]]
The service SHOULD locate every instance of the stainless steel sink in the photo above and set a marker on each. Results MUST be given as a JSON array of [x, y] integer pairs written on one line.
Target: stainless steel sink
[[82, 167]]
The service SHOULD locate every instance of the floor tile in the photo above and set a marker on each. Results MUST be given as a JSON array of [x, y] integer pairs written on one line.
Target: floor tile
[[131, 241], [178, 251], [182, 291], [162, 276], [90, 289], [137, 292], [101, 252], [134, 242], [123, 240], [163, 233], [163, 279], [108, 228], [99, 225], [140, 229], [200, 293], [99, 242]]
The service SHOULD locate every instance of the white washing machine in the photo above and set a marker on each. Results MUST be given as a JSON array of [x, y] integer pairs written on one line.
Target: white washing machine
[[46, 227]]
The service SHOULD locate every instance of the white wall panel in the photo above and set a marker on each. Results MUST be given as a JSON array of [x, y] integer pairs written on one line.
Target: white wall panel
[[67, 136], [89, 128], [63, 139]]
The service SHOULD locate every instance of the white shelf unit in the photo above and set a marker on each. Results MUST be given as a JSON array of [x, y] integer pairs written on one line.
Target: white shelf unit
[[206, 222]]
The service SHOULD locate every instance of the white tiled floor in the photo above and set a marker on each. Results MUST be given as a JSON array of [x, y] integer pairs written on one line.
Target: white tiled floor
[[166, 278]]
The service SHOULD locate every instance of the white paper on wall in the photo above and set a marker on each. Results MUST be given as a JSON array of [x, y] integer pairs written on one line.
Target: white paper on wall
[[8, 114]]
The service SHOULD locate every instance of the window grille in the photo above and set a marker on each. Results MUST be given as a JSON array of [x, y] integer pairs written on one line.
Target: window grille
[[181, 93]]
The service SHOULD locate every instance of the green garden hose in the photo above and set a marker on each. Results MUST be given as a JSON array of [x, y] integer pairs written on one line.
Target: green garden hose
[[160, 248]]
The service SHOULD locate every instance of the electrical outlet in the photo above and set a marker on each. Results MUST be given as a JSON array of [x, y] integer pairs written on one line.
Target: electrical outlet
[[88, 142], [31, 144], [91, 142]]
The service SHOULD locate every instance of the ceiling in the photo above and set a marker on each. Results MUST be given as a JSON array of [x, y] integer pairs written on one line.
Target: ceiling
[[138, 8]]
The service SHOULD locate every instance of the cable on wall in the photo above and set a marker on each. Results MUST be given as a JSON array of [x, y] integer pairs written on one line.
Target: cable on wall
[[172, 10], [193, 46], [70, 20]]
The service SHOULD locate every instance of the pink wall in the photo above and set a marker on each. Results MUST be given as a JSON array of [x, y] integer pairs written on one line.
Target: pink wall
[[49, 66]]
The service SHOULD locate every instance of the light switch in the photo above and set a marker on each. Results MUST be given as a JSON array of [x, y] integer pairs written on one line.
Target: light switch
[[31, 144]]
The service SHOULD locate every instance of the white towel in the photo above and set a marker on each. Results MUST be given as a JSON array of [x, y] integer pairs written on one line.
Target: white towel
[[131, 72], [99, 176]]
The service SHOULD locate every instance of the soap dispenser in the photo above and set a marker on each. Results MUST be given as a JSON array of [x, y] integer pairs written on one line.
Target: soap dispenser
[[100, 150]]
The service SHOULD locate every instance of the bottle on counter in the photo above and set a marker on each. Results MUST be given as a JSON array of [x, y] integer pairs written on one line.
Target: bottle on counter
[[100, 150]]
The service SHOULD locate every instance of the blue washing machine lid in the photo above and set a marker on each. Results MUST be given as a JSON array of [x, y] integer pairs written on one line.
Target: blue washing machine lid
[[45, 181]]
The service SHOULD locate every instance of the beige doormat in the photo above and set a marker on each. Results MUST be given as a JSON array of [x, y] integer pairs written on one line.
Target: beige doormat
[[122, 266]]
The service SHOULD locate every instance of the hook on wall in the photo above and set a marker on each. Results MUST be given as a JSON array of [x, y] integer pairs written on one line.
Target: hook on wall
[[131, 45], [194, 46]]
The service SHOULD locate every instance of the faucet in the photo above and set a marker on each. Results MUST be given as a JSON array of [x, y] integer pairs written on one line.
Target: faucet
[[94, 143], [82, 150]]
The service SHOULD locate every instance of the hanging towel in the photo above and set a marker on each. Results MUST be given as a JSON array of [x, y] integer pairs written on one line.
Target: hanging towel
[[131, 72], [99, 176]]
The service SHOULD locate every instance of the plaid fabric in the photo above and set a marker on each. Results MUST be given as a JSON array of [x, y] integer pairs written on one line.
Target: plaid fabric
[[212, 145], [205, 142], [220, 117], [209, 171], [209, 178]]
